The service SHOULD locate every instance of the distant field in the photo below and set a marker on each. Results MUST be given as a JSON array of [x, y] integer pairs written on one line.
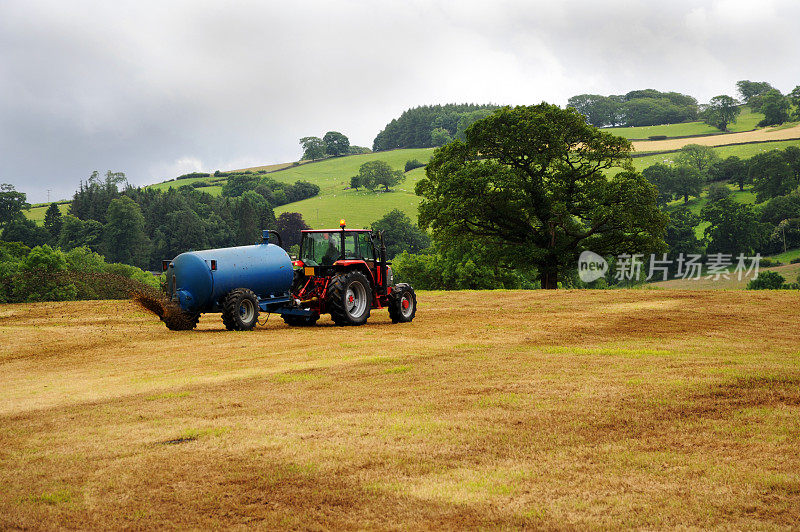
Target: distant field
[[334, 174], [760, 135], [267, 167], [742, 151], [641, 409], [177, 183], [746, 121], [670, 130], [359, 208], [787, 256], [788, 271], [696, 204], [333, 177], [37, 213]]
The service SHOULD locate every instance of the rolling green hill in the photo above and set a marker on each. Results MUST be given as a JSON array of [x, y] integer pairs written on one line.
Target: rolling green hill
[[336, 200]]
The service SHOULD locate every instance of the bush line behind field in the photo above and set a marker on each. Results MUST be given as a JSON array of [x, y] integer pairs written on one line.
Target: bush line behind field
[[47, 274]]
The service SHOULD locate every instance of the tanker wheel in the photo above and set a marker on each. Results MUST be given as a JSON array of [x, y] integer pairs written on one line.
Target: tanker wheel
[[300, 321], [349, 299], [402, 303], [240, 310]]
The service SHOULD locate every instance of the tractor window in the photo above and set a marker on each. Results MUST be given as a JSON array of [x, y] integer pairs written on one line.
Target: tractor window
[[365, 246], [350, 246], [320, 249]]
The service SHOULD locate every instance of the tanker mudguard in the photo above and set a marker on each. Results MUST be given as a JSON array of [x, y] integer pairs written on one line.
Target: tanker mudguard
[[198, 280]]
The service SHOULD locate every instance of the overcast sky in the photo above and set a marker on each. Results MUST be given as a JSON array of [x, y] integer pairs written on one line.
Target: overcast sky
[[160, 88]]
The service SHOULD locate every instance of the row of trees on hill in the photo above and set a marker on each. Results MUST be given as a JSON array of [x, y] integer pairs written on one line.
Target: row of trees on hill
[[647, 107], [275, 192], [650, 107], [47, 274], [143, 226], [772, 174], [430, 126], [764, 98], [332, 144], [770, 227]]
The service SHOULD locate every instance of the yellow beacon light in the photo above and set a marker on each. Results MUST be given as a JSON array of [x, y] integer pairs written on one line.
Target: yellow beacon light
[[341, 223]]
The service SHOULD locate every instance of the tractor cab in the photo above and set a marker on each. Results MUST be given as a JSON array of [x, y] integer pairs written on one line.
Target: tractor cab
[[344, 272], [324, 251]]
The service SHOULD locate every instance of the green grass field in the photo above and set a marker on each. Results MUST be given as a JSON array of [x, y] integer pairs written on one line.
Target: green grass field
[[788, 256], [336, 200], [359, 208], [334, 174], [36, 213], [183, 182], [746, 121]]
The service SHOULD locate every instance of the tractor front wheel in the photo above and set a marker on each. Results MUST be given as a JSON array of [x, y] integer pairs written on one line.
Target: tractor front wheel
[[240, 310], [402, 303], [349, 299]]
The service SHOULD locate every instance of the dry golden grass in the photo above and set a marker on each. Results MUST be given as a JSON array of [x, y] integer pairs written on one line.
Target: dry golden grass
[[759, 135], [575, 409]]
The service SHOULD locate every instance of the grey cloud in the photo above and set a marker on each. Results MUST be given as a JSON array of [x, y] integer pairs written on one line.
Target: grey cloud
[[157, 88]]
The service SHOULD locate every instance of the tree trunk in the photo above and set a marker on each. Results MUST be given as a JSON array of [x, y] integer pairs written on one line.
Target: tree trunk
[[550, 280]]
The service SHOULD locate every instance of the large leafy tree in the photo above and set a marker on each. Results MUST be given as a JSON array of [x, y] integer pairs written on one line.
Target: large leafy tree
[[21, 229], [734, 227], [53, 220], [772, 175], [720, 111], [531, 183], [336, 143], [686, 182], [290, 225], [401, 234], [11, 203], [599, 110], [313, 148], [697, 156], [124, 235], [377, 173], [731, 169], [662, 177], [680, 235], [751, 89], [77, 233], [775, 107], [251, 214], [794, 98]]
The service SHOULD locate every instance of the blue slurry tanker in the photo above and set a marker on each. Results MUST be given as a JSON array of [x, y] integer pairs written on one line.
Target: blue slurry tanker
[[340, 272]]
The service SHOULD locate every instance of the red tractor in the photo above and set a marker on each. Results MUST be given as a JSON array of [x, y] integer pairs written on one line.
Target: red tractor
[[344, 273]]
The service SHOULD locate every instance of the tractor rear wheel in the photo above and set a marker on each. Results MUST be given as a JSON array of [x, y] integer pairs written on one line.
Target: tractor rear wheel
[[240, 310], [349, 298], [402, 303], [300, 321]]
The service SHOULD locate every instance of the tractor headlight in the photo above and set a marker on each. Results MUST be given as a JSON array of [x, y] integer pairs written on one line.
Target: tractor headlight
[[389, 276]]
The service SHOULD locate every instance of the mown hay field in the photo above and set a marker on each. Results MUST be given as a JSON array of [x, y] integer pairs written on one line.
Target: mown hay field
[[760, 135], [568, 409]]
